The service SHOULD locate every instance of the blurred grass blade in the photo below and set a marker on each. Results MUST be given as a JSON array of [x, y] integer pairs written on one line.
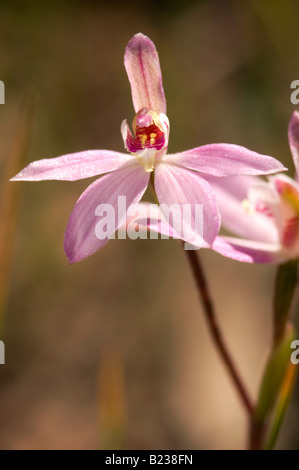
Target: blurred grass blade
[[285, 285], [283, 401], [274, 375], [272, 381], [112, 409], [10, 194]]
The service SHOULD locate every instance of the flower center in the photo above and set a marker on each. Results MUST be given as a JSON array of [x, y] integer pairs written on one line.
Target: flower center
[[278, 200], [148, 130], [149, 137]]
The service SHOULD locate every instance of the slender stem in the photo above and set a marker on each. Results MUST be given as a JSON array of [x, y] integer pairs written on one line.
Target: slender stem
[[210, 316]]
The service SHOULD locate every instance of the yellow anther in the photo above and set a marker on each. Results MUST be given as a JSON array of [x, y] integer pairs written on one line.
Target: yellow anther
[[152, 138]]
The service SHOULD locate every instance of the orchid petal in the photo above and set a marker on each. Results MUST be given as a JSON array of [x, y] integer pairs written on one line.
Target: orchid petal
[[288, 193], [264, 200], [180, 186], [74, 166], [80, 236], [284, 180], [225, 160], [230, 193], [153, 222], [236, 186], [249, 251], [293, 133], [243, 250], [144, 73]]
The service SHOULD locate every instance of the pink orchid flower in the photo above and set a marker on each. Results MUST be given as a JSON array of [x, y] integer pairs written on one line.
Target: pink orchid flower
[[264, 213], [178, 179]]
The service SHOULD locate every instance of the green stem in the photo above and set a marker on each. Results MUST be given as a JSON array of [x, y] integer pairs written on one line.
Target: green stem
[[286, 282]]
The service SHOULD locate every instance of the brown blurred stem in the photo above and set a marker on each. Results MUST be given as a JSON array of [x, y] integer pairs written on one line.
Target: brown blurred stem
[[213, 325], [257, 435]]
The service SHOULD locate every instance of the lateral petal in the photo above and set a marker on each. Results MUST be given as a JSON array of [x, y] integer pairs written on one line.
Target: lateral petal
[[74, 166], [102, 196]]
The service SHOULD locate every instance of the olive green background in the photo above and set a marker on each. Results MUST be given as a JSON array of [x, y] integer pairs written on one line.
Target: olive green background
[[114, 352]]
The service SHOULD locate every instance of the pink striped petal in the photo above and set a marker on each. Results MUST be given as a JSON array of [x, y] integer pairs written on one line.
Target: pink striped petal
[[225, 160], [177, 185], [237, 186], [80, 236], [237, 249], [249, 251], [143, 69], [230, 194], [74, 166], [293, 133], [149, 217]]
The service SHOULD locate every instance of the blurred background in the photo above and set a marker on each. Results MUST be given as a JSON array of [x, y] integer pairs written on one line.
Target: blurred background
[[114, 352]]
